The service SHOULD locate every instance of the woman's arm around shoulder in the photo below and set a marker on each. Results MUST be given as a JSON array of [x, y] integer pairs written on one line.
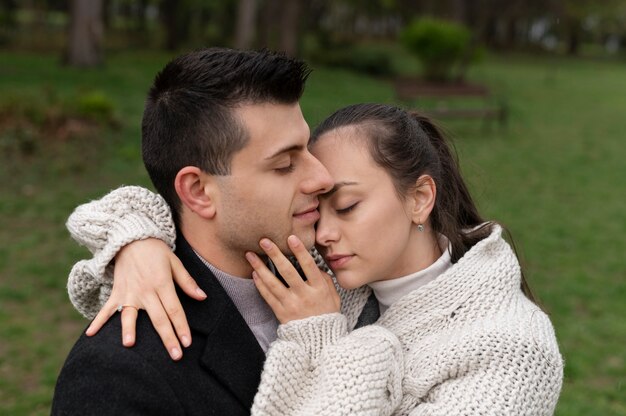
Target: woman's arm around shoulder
[[106, 225]]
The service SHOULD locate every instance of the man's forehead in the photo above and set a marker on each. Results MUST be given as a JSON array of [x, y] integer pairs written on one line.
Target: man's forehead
[[273, 129], [285, 149]]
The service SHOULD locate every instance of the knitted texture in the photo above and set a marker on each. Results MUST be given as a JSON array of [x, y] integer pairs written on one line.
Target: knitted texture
[[316, 368], [105, 226], [473, 343]]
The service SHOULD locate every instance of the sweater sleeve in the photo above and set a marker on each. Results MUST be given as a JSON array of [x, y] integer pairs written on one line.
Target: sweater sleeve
[[317, 368], [106, 225], [507, 374]]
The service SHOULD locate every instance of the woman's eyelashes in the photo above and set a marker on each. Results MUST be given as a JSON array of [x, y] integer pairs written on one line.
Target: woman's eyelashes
[[347, 209]]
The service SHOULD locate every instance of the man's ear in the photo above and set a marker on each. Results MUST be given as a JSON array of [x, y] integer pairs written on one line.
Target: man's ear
[[196, 191], [423, 197]]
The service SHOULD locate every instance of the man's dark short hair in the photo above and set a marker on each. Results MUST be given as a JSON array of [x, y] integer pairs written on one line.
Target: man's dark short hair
[[188, 117]]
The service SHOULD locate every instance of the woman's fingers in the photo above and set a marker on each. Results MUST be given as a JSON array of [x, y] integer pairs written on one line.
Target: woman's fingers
[[101, 318], [175, 313], [301, 299], [144, 277], [307, 263], [283, 265], [184, 279], [161, 322], [129, 321], [271, 282]]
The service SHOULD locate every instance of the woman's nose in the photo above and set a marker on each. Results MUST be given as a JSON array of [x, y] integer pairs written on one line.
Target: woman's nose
[[325, 232]]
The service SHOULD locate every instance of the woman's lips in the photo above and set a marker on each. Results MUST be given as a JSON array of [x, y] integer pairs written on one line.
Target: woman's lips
[[338, 261]]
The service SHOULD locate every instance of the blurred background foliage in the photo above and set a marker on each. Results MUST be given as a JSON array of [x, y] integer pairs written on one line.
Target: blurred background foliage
[[85, 29], [73, 77]]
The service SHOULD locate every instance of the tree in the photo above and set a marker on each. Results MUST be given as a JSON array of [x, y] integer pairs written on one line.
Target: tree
[[575, 11], [246, 24], [86, 34], [280, 24], [441, 46], [289, 34], [176, 18]]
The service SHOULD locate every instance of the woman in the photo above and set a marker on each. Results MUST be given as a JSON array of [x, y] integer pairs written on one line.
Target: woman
[[401, 223]]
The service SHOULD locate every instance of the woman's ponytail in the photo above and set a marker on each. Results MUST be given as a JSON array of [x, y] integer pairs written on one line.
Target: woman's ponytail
[[455, 212]]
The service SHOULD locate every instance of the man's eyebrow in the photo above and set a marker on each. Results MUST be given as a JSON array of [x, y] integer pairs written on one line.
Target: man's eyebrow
[[336, 187], [286, 149]]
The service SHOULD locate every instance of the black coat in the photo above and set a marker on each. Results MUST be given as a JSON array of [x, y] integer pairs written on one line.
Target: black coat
[[218, 374]]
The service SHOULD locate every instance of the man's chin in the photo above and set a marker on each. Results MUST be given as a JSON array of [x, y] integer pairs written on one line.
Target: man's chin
[[307, 237]]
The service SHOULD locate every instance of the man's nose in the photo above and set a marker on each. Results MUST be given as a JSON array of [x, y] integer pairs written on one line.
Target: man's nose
[[319, 180]]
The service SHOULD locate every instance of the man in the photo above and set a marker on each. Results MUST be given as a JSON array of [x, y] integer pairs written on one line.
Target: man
[[225, 144]]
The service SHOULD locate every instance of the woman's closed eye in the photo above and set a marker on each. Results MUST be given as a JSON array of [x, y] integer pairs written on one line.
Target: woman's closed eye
[[347, 209]]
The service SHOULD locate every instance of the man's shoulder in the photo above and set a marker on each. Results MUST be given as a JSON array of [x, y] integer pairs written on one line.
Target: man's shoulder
[[101, 376], [104, 351], [108, 343]]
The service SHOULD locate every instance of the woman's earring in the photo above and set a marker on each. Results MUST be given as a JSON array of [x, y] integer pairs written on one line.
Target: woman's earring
[[420, 228]]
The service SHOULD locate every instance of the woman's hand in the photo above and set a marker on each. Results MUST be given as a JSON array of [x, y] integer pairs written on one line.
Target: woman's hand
[[302, 299], [143, 278]]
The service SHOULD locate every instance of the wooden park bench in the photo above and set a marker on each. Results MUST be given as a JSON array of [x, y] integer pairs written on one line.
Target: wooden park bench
[[412, 92]]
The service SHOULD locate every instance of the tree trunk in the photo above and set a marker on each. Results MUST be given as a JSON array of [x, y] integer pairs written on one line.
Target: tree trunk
[[86, 34], [511, 33], [490, 32], [246, 24], [458, 9], [8, 9], [140, 16], [573, 36], [269, 23], [176, 19], [289, 27]]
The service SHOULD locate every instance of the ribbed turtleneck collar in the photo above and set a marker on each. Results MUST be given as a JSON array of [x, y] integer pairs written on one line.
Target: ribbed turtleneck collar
[[389, 291]]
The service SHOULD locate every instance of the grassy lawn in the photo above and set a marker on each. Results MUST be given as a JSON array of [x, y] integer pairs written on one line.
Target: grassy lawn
[[552, 175]]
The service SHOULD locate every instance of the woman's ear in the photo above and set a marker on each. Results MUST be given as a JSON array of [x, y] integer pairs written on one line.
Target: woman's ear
[[423, 197], [196, 191]]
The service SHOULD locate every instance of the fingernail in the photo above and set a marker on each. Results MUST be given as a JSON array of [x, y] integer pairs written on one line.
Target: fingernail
[[293, 240], [254, 276], [186, 341], [200, 292], [176, 353], [250, 256], [265, 243], [128, 339], [88, 331]]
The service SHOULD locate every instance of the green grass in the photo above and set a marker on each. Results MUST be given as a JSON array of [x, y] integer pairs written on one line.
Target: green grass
[[554, 175]]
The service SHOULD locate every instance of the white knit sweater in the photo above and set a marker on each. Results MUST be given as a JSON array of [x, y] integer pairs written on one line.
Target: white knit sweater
[[467, 343]]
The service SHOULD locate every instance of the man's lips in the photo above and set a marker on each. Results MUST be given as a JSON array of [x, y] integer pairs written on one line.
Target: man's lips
[[310, 214], [337, 261]]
